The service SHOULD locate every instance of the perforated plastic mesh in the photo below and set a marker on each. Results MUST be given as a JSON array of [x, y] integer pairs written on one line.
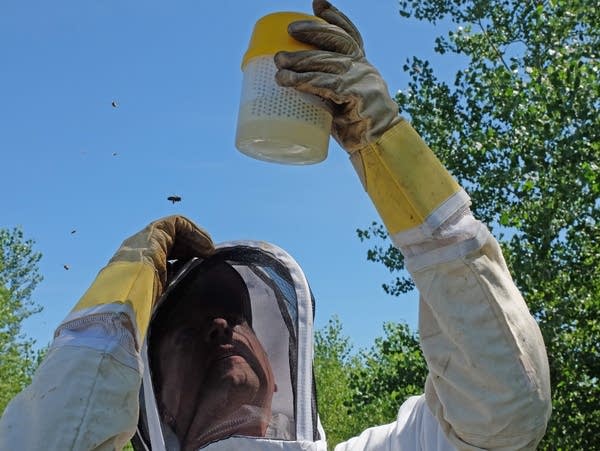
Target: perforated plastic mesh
[[266, 98]]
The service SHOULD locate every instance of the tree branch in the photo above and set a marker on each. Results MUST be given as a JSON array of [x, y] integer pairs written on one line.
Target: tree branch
[[487, 38]]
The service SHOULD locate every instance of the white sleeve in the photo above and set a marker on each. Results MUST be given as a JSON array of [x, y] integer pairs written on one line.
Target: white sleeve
[[488, 382], [487, 386], [84, 395], [415, 429]]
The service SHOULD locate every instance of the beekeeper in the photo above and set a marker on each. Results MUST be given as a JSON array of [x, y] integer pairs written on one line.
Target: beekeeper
[[181, 344]]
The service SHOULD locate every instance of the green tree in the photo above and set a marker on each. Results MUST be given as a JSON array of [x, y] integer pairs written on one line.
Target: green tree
[[519, 128], [359, 390], [19, 276], [392, 370], [333, 365]]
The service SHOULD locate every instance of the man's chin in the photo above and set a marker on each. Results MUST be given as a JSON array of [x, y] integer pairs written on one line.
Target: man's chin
[[233, 375], [226, 393], [248, 420]]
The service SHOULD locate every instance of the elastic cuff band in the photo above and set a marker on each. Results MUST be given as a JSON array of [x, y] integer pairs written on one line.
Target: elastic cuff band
[[448, 253], [425, 231]]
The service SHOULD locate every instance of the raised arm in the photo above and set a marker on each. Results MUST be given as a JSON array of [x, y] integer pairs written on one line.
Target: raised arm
[[85, 393], [488, 383]]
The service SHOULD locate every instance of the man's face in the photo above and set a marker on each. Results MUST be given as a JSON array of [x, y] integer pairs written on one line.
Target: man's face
[[211, 364]]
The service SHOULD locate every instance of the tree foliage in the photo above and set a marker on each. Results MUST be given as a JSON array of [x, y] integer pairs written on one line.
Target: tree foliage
[[19, 276], [334, 366], [365, 389], [392, 370], [519, 128]]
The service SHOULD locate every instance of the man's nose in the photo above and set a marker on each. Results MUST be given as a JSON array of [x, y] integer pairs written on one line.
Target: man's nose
[[219, 331]]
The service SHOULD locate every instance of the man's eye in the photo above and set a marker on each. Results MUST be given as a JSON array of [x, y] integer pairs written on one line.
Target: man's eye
[[239, 319], [234, 320], [185, 336]]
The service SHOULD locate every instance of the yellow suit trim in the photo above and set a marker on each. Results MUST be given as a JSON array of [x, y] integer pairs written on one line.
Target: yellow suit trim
[[132, 283], [403, 177]]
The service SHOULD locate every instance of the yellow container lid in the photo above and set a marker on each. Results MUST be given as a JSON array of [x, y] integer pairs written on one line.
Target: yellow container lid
[[270, 35]]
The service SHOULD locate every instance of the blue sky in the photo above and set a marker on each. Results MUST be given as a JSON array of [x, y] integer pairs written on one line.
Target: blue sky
[[70, 161]]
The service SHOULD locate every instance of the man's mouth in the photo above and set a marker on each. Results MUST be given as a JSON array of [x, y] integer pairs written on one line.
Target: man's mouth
[[225, 352]]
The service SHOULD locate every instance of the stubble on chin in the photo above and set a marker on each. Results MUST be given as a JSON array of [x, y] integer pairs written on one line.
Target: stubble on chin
[[229, 386]]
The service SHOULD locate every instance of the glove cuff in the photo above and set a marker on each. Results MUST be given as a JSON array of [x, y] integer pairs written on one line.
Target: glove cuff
[[132, 283], [409, 186]]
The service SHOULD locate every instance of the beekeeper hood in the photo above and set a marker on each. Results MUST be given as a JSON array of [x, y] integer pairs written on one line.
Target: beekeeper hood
[[264, 287]]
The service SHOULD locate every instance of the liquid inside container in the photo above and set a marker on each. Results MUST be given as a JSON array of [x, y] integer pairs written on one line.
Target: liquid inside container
[[280, 124]]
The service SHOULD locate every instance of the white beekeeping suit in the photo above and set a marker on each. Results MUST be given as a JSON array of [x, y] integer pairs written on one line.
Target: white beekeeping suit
[[488, 382]]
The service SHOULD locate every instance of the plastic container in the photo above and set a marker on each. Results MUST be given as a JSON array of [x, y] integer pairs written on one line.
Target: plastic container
[[278, 124]]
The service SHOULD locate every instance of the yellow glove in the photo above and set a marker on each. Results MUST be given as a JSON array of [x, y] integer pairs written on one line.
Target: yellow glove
[[339, 72], [137, 274]]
